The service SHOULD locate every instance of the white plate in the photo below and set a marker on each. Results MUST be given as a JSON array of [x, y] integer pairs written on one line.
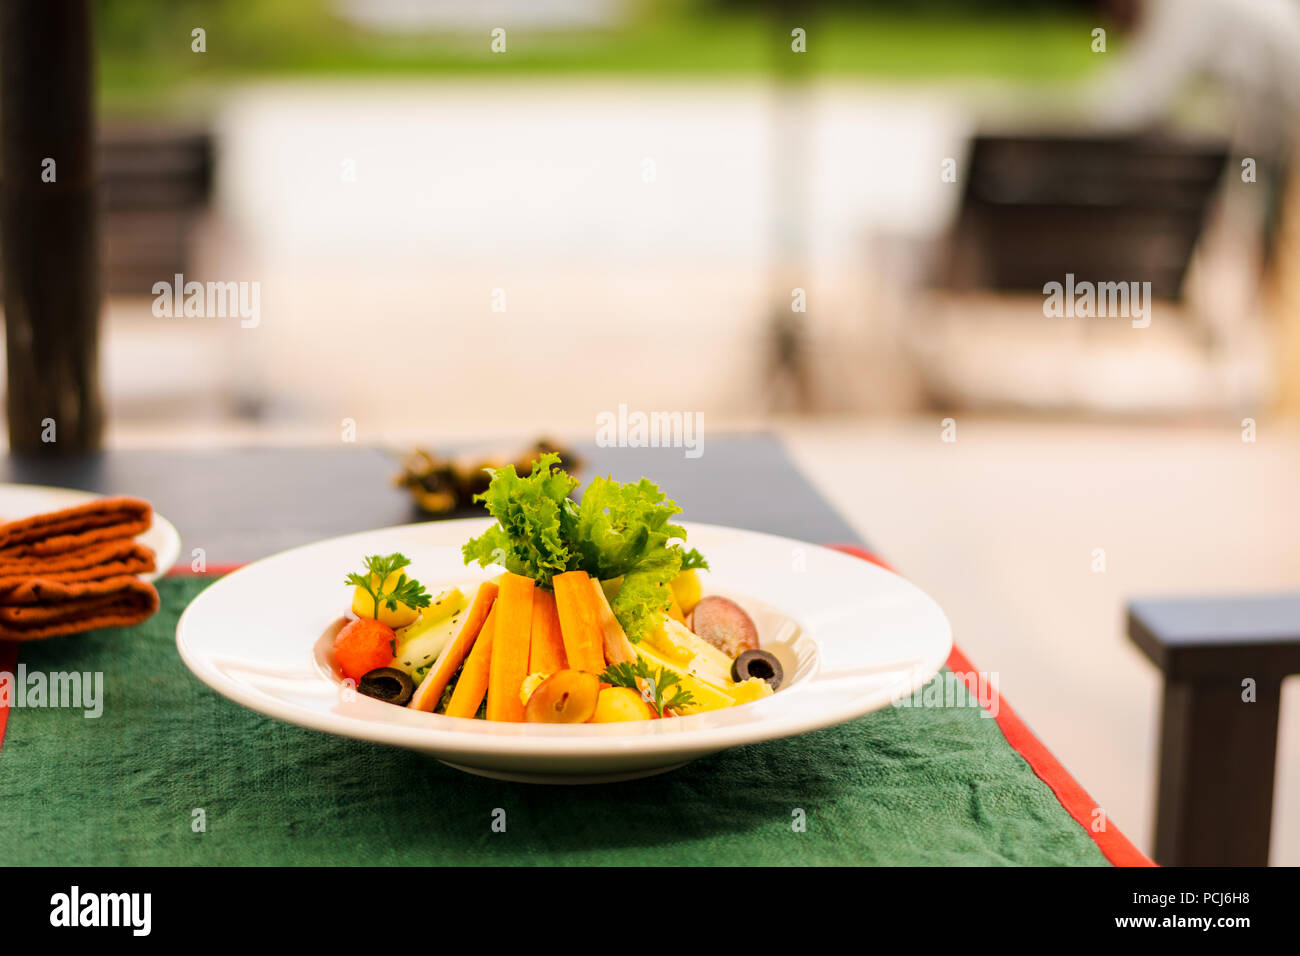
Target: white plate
[[852, 636], [23, 501]]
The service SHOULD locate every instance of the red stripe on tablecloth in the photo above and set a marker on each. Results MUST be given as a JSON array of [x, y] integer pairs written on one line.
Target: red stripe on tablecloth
[[214, 570], [8, 665], [9, 649], [1112, 843]]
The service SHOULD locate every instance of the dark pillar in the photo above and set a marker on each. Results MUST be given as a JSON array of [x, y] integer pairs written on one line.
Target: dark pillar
[[49, 229], [1224, 660], [790, 382], [1214, 805]]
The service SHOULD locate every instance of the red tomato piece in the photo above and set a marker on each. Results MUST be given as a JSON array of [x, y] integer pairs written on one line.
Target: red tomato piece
[[362, 646]]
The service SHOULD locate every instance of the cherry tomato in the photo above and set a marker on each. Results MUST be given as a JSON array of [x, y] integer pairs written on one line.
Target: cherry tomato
[[362, 646]]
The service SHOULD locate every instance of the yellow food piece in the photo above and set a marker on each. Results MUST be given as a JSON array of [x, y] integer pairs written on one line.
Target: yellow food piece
[[618, 704], [705, 673], [363, 605], [666, 647], [707, 695], [445, 604], [675, 642], [686, 591], [755, 688], [423, 650], [565, 697], [443, 607], [530, 684], [675, 610]]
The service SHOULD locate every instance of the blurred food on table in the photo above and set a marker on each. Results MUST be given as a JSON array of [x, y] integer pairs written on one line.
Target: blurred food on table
[[444, 484]]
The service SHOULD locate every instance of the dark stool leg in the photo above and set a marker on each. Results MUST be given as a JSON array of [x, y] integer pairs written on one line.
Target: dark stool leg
[[1217, 754]]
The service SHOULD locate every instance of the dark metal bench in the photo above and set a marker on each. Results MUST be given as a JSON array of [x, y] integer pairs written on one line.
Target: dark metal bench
[[1102, 207], [1224, 660]]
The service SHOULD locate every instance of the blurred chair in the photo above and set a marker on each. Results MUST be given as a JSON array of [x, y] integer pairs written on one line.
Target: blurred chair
[[1102, 208], [155, 183]]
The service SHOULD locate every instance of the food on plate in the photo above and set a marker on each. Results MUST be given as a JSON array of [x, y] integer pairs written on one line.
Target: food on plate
[[601, 615], [652, 686], [760, 664], [444, 606], [509, 665], [385, 593], [431, 688], [565, 697], [387, 683], [686, 591], [361, 646], [724, 624], [470, 689], [546, 653], [619, 704]]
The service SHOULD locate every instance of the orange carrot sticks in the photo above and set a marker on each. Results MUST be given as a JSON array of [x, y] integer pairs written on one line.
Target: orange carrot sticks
[[579, 623], [435, 682], [546, 651], [473, 683], [617, 648], [510, 647]]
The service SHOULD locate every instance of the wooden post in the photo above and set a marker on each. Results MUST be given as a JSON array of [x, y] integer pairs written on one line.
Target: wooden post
[[1224, 660], [791, 378], [1214, 805], [48, 222]]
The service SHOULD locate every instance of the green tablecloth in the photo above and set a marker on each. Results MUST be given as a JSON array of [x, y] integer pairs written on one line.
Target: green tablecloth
[[921, 785]]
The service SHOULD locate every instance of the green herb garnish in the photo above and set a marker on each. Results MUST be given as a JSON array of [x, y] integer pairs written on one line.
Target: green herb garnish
[[655, 690], [405, 590]]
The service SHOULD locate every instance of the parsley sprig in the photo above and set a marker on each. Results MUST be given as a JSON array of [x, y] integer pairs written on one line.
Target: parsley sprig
[[405, 590], [655, 687]]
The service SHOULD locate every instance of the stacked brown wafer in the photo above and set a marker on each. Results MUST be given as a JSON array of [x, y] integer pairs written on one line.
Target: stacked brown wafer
[[75, 570]]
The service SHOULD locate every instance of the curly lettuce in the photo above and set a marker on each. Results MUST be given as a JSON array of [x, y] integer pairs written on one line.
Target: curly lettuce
[[617, 530], [534, 517]]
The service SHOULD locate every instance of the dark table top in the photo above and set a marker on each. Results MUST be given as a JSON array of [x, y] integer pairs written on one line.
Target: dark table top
[[1245, 634], [240, 504]]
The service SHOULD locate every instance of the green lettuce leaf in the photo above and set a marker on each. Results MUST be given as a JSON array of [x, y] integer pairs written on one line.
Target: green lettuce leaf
[[645, 593], [624, 530], [618, 530], [534, 520], [619, 525], [692, 560]]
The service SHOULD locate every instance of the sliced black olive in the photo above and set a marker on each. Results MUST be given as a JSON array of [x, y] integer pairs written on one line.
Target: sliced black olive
[[758, 664], [388, 683]]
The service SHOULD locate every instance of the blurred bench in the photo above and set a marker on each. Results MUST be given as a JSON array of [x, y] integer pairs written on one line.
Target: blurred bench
[[1224, 660], [1105, 208], [155, 182]]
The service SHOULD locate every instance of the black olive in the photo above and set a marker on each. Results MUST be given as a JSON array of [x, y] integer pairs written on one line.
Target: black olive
[[388, 683], [759, 664]]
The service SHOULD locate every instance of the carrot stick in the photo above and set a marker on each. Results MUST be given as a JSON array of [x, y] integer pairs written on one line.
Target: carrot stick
[[510, 648], [579, 624], [617, 648], [473, 682], [435, 682], [546, 652]]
